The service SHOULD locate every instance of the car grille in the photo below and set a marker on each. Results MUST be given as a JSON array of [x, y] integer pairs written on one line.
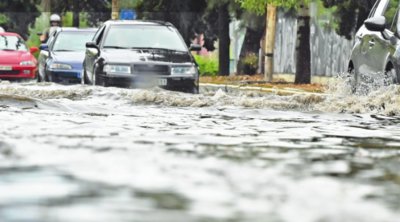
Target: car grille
[[151, 70], [9, 72]]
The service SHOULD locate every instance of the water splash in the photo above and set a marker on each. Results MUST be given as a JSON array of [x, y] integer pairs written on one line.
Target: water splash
[[372, 96]]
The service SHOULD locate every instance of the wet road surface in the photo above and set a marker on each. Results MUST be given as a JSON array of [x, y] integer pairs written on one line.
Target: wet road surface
[[82, 153]]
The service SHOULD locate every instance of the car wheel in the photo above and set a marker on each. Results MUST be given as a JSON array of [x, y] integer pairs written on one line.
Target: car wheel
[[390, 77], [98, 79], [191, 89], [38, 77], [50, 77], [195, 90], [353, 79], [84, 79]]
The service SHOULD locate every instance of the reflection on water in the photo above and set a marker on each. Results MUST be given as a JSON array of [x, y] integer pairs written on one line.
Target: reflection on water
[[74, 153]]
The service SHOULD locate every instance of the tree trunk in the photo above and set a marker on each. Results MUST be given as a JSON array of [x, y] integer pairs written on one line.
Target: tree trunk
[[75, 20], [115, 9], [303, 51], [251, 45], [224, 40], [270, 42], [46, 5]]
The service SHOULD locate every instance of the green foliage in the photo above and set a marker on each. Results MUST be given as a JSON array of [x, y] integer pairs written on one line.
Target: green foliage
[[259, 6], [129, 3], [67, 20], [251, 60], [17, 15], [95, 11], [250, 64], [208, 65], [349, 15], [3, 19]]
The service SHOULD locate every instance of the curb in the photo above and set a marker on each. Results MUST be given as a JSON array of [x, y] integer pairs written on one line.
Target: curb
[[207, 87]]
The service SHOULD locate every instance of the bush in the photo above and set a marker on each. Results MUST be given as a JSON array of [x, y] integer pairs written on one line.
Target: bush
[[250, 64], [208, 65]]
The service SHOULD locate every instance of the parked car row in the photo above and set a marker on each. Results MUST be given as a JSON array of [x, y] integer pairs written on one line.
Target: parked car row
[[119, 53]]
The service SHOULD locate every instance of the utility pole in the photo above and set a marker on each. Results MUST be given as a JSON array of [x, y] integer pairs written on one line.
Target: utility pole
[[115, 10], [270, 42]]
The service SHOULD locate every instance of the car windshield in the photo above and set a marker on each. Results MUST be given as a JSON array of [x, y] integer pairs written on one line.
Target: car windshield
[[12, 43], [144, 36], [72, 41]]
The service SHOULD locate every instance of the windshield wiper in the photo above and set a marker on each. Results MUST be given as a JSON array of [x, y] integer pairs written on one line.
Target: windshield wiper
[[115, 47], [154, 48], [63, 50]]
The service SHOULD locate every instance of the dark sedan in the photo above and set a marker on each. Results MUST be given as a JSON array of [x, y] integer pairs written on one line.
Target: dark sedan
[[141, 54], [61, 59]]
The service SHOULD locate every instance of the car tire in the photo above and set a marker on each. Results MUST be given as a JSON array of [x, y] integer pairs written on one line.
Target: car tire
[[84, 79], [390, 77], [50, 78], [192, 90], [195, 90], [98, 79], [39, 77], [353, 79], [102, 81]]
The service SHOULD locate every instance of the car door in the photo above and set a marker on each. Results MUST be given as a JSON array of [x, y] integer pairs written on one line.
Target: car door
[[361, 53], [44, 55], [91, 55], [381, 44]]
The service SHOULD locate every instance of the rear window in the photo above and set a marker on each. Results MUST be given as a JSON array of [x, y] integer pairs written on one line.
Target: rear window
[[144, 36], [12, 43]]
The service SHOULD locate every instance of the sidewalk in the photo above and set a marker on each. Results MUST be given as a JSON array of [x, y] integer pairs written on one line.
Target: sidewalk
[[282, 84]]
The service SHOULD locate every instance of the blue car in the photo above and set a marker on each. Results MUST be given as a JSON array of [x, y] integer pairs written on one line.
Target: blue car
[[61, 58]]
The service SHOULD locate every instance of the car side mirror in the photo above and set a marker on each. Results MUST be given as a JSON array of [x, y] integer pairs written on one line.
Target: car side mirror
[[44, 47], [34, 50], [376, 24], [195, 47], [92, 45]]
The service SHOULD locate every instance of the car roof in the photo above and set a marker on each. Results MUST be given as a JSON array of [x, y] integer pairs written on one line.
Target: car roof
[[72, 29], [9, 34], [137, 22]]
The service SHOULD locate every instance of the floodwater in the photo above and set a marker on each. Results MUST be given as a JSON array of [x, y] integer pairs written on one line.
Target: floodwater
[[92, 154]]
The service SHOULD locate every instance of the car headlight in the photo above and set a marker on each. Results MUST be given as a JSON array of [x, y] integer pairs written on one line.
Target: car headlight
[[27, 63], [183, 70], [117, 69], [60, 66]]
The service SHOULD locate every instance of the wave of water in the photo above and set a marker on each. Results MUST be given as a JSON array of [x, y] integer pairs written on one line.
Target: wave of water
[[131, 159], [339, 98]]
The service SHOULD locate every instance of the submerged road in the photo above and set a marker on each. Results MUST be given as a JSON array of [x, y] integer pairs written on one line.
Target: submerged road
[[92, 154]]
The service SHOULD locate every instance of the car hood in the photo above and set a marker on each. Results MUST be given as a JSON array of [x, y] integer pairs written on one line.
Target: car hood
[[69, 57], [75, 59], [15, 57], [134, 56]]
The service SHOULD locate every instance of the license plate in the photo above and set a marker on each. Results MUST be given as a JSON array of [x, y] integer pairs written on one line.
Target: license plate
[[162, 82], [5, 68]]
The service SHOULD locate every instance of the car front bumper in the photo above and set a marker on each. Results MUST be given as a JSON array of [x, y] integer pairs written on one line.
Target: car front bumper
[[17, 72], [166, 81], [66, 76]]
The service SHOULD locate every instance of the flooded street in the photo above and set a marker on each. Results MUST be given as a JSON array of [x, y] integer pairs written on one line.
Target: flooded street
[[90, 154]]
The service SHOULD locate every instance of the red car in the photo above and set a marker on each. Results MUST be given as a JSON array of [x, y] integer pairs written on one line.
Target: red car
[[16, 60]]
